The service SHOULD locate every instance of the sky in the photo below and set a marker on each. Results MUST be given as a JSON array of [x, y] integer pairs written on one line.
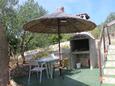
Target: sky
[[98, 10]]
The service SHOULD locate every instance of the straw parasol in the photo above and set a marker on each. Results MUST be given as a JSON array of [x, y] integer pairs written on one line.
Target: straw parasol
[[59, 22]]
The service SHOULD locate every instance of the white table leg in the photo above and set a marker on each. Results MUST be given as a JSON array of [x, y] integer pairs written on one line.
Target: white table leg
[[47, 70]]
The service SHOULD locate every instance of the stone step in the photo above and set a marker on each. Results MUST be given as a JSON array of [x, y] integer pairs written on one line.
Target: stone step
[[112, 76], [111, 52], [110, 64], [110, 57], [109, 71], [107, 84], [111, 46], [108, 80]]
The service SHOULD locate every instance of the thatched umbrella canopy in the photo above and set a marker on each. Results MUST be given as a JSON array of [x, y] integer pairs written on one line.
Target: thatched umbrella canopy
[[66, 23]]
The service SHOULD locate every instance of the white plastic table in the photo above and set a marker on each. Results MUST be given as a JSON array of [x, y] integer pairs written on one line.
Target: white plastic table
[[49, 61]]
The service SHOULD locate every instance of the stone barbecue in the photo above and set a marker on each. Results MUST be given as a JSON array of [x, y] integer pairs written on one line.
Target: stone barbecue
[[83, 50]]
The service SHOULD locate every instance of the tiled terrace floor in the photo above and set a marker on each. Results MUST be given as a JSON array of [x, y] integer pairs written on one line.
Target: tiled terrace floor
[[81, 77]]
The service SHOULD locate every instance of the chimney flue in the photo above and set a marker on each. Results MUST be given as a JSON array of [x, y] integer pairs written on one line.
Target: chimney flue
[[61, 9], [83, 15]]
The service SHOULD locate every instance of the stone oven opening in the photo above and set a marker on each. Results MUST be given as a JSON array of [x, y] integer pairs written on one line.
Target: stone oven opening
[[79, 45]]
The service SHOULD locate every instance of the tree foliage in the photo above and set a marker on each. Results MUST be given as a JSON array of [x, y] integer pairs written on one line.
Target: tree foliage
[[26, 12], [96, 32], [7, 17], [110, 18], [13, 17]]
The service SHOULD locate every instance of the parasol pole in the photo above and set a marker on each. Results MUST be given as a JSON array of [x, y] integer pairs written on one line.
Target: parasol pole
[[60, 59], [59, 38]]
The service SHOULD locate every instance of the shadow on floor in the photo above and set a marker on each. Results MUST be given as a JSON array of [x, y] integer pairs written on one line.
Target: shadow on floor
[[82, 77], [58, 81]]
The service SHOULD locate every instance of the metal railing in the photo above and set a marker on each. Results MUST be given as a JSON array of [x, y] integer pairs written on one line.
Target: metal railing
[[103, 45]]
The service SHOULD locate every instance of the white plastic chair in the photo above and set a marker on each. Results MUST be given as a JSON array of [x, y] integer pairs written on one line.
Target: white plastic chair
[[35, 67], [51, 69]]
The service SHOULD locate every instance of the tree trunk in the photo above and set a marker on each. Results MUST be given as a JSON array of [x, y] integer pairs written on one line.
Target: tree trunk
[[23, 57], [4, 60], [23, 47]]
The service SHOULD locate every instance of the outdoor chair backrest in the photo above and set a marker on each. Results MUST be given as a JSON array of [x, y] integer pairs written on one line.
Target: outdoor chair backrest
[[36, 63]]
